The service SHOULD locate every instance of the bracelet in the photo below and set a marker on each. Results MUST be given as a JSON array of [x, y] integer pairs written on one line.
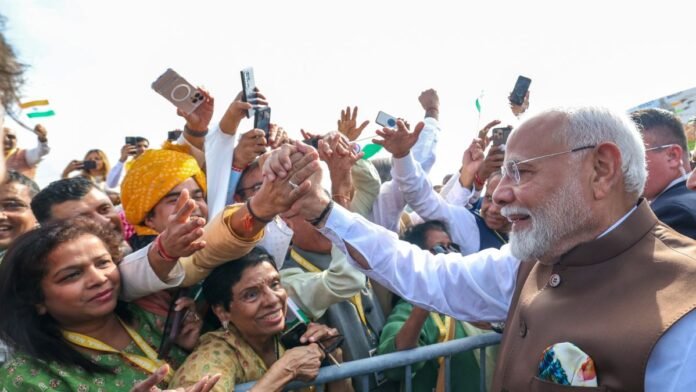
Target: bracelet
[[478, 181], [323, 214], [195, 133], [162, 253], [251, 213]]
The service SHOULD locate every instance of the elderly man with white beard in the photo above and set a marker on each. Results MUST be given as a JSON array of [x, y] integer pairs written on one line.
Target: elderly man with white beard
[[602, 281]]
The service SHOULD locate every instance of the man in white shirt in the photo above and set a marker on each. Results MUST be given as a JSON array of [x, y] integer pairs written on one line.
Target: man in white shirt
[[571, 185]]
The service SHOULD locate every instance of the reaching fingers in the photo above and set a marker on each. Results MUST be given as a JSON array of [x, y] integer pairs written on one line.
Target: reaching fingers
[[151, 382], [183, 214]]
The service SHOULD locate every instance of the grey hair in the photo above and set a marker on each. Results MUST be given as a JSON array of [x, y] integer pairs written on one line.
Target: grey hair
[[593, 125]]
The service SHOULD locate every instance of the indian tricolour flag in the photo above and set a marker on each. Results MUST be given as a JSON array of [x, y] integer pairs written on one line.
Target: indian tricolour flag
[[37, 109]]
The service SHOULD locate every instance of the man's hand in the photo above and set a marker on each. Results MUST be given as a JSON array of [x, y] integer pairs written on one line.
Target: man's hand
[[150, 384], [398, 141], [41, 133], [493, 161], [340, 160], [126, 151], [518, 110], [483, 133], [277, 136], [250, 145], [471, 162], [430, 102], [200, 118], [238, 110], [347, 124], [182, 235], [279, 193]]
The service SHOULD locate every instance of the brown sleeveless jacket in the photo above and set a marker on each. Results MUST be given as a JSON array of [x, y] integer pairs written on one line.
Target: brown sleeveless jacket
[[612, 297]]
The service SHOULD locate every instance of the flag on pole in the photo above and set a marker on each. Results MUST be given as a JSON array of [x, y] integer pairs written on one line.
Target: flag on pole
[[478, 103], [37, 109]]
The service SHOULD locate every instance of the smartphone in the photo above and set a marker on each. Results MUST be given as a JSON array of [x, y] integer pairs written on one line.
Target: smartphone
[[131, 140], [262, 120], [500, 135], [248, 86], [178, 91], [172, 325], [520, 90], [386, 120], [174, 135], [291, 337], [89, 165]]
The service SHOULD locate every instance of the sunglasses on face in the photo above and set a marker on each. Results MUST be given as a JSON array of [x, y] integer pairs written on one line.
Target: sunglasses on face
[[445, 248]]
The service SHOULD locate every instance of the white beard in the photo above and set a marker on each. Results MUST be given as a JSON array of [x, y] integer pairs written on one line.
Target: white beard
[[563, 212]]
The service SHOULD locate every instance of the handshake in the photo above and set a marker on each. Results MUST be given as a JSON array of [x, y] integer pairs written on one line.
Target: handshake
[[292, 180]]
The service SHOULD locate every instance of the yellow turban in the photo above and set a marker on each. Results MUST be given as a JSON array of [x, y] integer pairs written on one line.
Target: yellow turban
[[151, 176]]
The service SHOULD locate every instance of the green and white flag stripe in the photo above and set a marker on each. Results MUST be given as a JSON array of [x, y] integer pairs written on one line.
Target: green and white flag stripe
[[37, 109]]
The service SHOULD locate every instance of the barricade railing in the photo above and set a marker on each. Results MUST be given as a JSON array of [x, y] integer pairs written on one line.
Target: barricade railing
[[402, 358]]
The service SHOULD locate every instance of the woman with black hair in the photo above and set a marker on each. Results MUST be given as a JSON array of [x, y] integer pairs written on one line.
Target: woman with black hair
[[59, 286], [250, 303]]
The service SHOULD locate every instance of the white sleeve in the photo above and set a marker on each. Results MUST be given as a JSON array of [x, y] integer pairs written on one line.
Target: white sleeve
[[138, 279], [673, 359], [219, 151], [424, 150], [429, 205], [34, 155], [113, 177], [387, 208], [479, 286], [455, 193]]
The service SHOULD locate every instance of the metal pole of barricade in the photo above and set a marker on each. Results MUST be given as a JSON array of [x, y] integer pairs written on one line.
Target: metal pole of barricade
[[408, 379], [448, 361], [393, 360], [482, 365]]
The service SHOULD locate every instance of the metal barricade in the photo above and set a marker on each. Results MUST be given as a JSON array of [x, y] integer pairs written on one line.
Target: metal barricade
[[402, 358]]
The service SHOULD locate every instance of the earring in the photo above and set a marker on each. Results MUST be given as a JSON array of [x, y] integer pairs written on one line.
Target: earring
[[226, 326]]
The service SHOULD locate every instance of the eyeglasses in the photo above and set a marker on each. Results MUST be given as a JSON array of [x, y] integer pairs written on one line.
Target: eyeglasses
[[445, 248], [659, 147], [511, 169], [254, 188]]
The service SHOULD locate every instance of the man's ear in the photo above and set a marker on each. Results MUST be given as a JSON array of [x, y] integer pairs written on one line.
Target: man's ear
[[149, 220], [607, 172], [675, 154]]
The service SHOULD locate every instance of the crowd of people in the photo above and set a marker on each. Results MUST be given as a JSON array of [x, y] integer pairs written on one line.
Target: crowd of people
[[220, 258]]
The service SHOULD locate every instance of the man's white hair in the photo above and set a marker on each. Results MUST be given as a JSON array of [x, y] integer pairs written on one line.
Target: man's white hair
[[593, 125]]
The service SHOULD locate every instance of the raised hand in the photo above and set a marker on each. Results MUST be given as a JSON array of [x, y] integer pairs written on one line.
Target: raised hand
[[493, 161], [399, 141], [430, 102], [182, 235], [150, 384], [276, 136], [518, 110], [126, 151], [250, 145], [347, 124], [200, 118], [238, 110], [41, 133], [483, 133], [72, 166]]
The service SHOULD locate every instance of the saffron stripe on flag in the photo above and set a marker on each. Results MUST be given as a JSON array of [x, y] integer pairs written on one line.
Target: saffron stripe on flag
[[40, 102], [41, 114]]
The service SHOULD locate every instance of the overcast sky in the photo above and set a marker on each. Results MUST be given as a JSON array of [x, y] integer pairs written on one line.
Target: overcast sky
[[95, 61]]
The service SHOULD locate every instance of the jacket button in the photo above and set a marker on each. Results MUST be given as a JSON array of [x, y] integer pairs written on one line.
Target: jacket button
[[523, 329], [554, 280]]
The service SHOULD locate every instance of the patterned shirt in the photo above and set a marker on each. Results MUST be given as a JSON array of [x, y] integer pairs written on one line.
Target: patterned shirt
[[27, 374]]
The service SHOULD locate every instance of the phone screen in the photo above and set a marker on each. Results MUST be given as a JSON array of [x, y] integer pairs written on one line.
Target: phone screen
[[262, 120], [500, 135], [520, 90], [248, 85]]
